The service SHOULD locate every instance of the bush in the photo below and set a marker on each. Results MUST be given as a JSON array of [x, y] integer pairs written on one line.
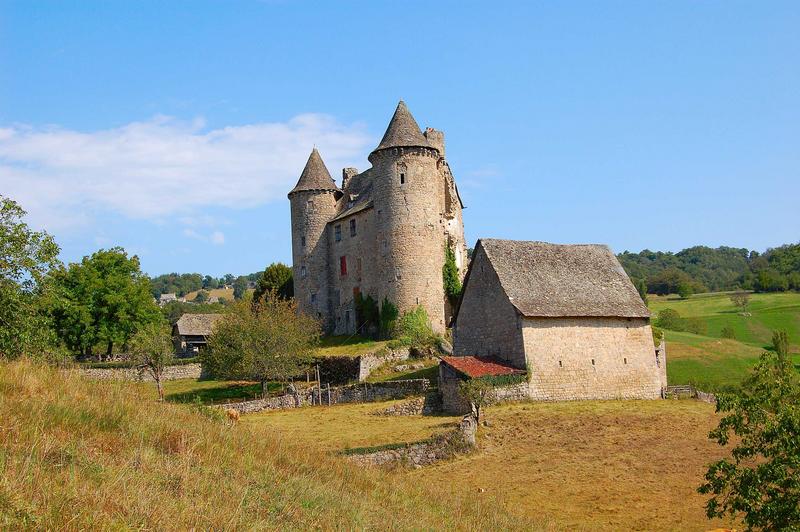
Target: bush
[[658, 335], [728, 332], [388, 318], [695, 326], [414, 329], [669, 319]]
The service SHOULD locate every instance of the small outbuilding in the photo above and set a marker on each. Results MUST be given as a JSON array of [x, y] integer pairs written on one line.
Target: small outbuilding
[[568, 315], [191, 332]]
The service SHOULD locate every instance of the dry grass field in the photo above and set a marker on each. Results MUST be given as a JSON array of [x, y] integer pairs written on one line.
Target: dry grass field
[[605, 465]]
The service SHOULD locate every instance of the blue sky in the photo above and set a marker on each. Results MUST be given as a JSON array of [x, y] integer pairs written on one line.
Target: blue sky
[[175, 129]]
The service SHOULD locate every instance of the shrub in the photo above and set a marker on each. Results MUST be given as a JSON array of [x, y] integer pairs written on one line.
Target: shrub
[[669, 319], [452, 282], [658, 335], [388, 318], [413, 328], [695, 326], [728, 332]]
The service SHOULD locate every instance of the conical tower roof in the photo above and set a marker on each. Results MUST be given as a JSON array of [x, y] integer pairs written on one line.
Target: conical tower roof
[[315, 175], [402, 131]]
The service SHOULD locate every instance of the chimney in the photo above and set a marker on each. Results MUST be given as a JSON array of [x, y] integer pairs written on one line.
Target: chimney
[[347, 173], [435, 139]]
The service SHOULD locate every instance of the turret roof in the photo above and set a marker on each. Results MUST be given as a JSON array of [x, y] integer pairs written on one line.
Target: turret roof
[[315, 175], [402, 131]]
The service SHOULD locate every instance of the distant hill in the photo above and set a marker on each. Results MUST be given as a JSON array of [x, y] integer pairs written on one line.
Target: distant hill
[[705, 269], [709, 359]]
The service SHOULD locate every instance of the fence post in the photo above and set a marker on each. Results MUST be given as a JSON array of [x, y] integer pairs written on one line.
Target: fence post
[[329, 394]]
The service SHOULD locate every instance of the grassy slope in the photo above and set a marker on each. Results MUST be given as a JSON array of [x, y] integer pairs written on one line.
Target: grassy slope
[[348, 346], [77, 454], [712, 362], [612, 465]]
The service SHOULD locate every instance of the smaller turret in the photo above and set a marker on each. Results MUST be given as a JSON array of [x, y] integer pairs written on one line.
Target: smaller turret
[[313, 204], [435, 138]]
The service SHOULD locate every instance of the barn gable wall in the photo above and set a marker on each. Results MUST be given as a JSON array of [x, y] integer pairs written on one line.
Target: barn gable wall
[[487, 323]]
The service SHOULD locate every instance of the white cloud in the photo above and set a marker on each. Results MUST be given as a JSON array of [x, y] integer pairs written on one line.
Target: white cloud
[[217, 238], [164, 167]]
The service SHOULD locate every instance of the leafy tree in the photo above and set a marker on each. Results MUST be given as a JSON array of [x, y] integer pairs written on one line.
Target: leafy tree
[[201, 297], [152, 350], [478, 393], [728, 332], [228, 279], [264, 341], [769, 280], [741, 300], [239, 287], [641, 287], [174, 283], [26, 256], [210, 283], [388, 318], [669, 319], [685, 289], [452, 282], [760, 481], [277, 277], [103, 299]]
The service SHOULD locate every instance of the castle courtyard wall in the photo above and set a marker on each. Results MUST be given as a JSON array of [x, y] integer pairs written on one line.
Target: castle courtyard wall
[[591, 358]]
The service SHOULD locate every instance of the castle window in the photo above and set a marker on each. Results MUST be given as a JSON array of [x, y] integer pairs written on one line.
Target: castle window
[[624, 360], [313, 298], [343, 265], [402, 178], [303, 272], [303, 241], [353, 227], [559, 364], [337, 233], [592, 362]]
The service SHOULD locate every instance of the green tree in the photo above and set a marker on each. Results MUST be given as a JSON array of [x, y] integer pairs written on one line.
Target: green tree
[[102, 300], [669, 319], [264, 341], [26, 257], [741, 300], [210, 283], [239, 287], [278, 278], [478, 393], [201, 297], [760, 481], [685, 289], [641, 287], [452, 282], [151, 350]]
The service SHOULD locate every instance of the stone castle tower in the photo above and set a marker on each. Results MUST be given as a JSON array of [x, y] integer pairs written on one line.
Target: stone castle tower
[[383, 233]]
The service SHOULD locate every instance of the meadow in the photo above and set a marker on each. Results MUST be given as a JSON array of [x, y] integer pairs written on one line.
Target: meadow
[[82, 455], [712, 362]]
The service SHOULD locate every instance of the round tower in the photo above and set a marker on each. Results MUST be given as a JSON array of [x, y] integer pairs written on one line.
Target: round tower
[[408, 217], [313, 204]]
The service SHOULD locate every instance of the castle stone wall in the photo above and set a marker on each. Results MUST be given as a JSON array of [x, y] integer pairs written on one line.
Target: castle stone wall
[[591, 358], [362, 273], [488, 324], [410, 229], [311, 212]]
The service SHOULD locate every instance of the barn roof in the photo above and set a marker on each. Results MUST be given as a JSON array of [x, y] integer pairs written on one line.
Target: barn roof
[[553, 280], [196, 324], [475, 367]]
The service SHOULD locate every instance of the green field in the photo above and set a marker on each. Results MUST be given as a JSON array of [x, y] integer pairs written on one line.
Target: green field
[[712, 362]]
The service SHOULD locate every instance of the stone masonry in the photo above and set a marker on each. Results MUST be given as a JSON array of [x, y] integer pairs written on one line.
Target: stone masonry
[[171, 373], [382, 233]]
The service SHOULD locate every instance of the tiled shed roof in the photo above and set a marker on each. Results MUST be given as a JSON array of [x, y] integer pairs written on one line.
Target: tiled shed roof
[[481, 366], [196, 324]]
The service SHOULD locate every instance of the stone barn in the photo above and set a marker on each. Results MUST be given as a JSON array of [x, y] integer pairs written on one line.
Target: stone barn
[[190, 333], [567, 314]]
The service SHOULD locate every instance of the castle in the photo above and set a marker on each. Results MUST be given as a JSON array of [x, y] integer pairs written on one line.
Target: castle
[[383, 233]]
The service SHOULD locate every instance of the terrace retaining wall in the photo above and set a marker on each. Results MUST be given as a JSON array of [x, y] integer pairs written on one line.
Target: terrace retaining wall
[[171, 373]]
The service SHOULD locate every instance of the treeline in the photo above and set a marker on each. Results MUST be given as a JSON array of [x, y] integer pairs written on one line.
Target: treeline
[[704, 269], [184, 283]]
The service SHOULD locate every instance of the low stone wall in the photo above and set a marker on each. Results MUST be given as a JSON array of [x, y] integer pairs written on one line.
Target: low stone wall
[[419, 454], [688, 391], [418, 406], [369, 363], [354, 393], [171, 373]]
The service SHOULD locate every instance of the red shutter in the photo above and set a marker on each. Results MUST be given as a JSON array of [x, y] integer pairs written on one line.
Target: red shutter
[[343, 265]]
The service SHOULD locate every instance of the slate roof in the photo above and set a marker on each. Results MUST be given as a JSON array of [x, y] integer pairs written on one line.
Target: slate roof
[[402, 131], [315, 176], [196, 324], [553, 280], [474, 367]]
